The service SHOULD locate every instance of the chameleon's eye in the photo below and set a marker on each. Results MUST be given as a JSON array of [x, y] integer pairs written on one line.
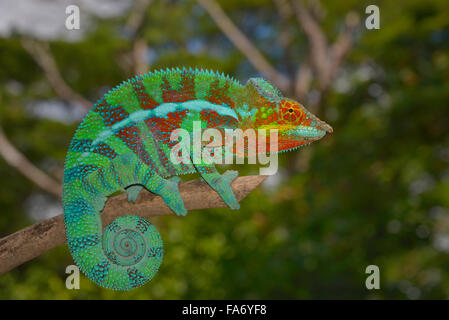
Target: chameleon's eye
[[291, 112]]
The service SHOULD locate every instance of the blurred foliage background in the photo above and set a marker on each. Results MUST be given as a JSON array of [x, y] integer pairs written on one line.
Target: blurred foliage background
[[376, 191]]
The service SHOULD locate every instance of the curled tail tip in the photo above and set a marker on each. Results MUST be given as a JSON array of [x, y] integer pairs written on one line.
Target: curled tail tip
[[126, 256]]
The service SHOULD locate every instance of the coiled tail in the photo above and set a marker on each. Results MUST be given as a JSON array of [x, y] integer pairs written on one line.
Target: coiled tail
[[124, 255]]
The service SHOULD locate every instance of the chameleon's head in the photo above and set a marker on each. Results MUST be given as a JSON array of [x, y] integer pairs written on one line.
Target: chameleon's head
[[270, 110]]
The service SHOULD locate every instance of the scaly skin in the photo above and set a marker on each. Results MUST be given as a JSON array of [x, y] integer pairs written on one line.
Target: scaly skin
[[124, 143]]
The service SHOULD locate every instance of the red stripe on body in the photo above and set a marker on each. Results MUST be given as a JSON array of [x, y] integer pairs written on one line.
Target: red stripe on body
[[184, 93], [219, 95], [162, 129], [131, 137], [105, 150], [110, 114], [145, 100]]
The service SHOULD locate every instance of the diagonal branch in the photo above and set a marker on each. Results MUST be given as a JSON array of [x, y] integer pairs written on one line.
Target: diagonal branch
[[40, 52], [17, 160], [34, 240], [243, 44]]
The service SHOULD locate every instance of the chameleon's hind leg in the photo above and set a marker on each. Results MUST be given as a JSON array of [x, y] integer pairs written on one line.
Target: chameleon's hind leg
[[221, 183], [166, 188]]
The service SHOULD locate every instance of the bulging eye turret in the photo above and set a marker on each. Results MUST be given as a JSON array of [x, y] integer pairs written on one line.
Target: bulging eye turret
[[291, 112]]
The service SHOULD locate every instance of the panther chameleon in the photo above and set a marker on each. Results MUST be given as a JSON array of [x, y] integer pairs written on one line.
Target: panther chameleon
[[123, 144]]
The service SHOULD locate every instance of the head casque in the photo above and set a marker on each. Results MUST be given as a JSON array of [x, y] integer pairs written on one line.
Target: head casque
[[268, 109]]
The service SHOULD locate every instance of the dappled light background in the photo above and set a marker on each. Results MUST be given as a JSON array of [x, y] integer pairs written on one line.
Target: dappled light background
[[374, 192]]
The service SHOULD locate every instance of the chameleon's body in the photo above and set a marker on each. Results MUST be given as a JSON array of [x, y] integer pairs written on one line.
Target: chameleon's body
[[124, 143]]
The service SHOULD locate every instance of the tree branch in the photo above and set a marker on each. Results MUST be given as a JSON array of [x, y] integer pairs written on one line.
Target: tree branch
[[316, 37], [40, 52], [303, 78], [139, 57], [344, 41], [34, 240], [243, 44], [325, 59], [285, 37], [17, 160], [135, 19], [133, 24]]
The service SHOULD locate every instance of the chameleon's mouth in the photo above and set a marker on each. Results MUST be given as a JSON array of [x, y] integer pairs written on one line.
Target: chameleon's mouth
[[311, 131], [307, 132]]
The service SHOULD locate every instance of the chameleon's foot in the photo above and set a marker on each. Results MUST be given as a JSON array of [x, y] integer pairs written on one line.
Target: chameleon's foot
[[133, 192], [223, 188], [172, 197], [222, 185], [169, 192]]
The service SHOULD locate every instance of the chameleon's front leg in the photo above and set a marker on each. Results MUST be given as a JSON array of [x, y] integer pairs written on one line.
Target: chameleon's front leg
[[221, 183]]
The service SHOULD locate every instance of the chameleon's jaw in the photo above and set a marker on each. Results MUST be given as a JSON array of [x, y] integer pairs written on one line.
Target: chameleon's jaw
[[307, 132], [302, 135], [315, 131]]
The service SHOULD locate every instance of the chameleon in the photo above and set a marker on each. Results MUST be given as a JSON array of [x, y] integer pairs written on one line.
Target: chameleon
[[123, 145]]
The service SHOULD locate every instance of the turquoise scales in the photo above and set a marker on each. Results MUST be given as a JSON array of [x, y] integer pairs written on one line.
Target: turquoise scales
[[124, 143]]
